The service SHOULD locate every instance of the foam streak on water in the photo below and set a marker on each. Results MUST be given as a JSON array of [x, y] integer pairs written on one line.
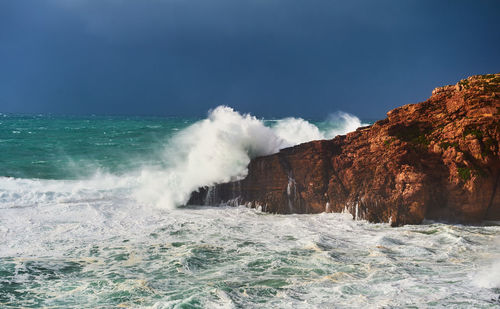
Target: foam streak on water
[[109, 251], [71, 238]]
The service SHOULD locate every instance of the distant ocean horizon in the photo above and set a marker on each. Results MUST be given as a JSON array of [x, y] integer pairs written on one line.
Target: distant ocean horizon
[[92, 213]]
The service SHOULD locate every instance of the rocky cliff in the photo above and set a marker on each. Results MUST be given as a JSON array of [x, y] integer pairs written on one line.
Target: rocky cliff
[[438, 160]]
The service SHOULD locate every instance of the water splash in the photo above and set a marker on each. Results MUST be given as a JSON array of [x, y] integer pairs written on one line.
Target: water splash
[[219, 148], [489, 274], [213, 150]]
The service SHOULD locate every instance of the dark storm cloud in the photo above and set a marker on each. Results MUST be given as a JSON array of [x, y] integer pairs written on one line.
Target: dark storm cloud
[[268, 57]]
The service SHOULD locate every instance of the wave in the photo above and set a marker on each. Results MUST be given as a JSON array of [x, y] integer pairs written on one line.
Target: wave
[[219, 148], [26, 193], [213, 150]]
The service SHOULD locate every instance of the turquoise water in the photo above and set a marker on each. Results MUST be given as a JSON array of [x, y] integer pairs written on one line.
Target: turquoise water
[[52, 147], [86, 221]]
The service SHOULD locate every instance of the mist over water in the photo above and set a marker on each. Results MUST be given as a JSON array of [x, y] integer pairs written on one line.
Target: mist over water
[[88, 216]]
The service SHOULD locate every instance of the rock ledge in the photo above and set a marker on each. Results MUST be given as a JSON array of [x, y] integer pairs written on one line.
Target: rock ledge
[[438, 160]]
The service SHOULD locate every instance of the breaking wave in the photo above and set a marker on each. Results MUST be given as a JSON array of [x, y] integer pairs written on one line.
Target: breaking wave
[[219, 148], [97, 240], [213, 150]]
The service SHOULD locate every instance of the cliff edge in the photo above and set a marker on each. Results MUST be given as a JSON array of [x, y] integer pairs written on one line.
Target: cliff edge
[[438, 160]]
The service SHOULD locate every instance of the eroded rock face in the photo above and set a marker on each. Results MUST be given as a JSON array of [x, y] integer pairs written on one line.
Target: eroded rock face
[[438, 159]]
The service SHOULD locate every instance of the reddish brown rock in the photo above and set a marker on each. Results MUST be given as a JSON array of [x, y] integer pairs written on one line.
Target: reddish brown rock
[[438, 159]]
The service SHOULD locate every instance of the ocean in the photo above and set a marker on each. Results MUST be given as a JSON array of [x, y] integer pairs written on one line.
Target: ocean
[[93, 215]]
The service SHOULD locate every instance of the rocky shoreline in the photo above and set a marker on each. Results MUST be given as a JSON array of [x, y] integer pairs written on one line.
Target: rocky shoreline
[[436, 160]]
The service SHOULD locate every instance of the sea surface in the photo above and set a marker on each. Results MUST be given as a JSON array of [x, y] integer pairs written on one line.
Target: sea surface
[[92, 215]]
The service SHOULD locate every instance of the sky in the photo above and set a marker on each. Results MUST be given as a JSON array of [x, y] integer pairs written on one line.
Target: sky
[[271, 58]]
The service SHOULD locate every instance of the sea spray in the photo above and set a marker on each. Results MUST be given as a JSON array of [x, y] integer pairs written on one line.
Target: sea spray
[[341, 123], [219, 148], [112, 158], [296, 130], [488, 275], [216, 149], [68, 242]]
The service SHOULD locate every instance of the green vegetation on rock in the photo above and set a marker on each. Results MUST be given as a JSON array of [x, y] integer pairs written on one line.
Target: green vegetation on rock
[[446, 145], [464, 173]]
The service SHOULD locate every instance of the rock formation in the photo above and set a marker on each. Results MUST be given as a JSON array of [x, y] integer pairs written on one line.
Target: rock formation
[[437, 160]]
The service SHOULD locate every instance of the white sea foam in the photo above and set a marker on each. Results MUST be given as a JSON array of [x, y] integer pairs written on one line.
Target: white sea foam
[[488, 275], [342, 123], [219, 148], [296, 130], [225, 255], [68, 242], [214, 150]]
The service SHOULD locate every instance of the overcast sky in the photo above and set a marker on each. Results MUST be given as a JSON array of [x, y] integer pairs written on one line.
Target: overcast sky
[[271, 58]]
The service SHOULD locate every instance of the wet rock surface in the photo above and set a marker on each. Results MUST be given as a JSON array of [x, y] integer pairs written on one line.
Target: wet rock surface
[[437, 160]]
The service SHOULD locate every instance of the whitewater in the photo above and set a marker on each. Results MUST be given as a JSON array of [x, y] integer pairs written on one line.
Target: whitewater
[[92, 215]]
